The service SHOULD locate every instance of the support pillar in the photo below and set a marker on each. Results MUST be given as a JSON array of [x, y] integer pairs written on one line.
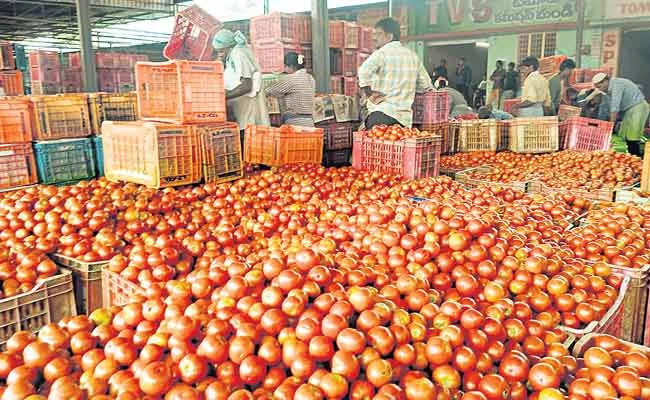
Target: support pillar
[[580, 5], [89, 72], [320, 45]]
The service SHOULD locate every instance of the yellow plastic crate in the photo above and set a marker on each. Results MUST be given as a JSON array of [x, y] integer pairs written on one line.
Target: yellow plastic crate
[[60, 116]]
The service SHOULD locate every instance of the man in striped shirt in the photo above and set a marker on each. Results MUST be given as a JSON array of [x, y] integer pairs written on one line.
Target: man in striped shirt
[[390, 77]]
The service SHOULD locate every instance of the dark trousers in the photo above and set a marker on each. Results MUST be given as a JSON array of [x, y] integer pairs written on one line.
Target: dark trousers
[[634, 147], [379, 118]]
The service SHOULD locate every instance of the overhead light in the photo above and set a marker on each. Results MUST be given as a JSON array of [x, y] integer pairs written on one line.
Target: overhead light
[[483, 45]]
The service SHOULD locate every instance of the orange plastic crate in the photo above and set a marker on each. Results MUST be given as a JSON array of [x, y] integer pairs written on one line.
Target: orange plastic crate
[[180, 92], [221, 154], [285, 145], [152, 154], [550, 65], [60, 116], [17, 165], [7, 56], [12, 83], [15, 120]]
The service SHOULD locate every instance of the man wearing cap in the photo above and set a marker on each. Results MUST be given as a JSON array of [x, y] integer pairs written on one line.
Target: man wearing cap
[[535, 95], [625, 98]]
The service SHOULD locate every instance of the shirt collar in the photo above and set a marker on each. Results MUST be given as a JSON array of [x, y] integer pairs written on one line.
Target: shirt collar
[[390, 45]]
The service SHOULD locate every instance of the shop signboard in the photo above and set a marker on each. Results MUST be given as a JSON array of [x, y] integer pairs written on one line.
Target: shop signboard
[[611, 45], [622, 9], [468, 15]]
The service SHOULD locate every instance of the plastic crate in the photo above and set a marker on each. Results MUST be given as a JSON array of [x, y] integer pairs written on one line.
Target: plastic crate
[[566, 111], [337, 34], [111, 107], [60, 116], [87, 281], [42, 89], [285, 145], [350, 86], [589, 73], [448, 131], [192, 36], [534, 135], [361, 58], [367, 42], [98, 149], [431, 107], [180, 92], [274, 27], [125, 80], [107, 60], [306, 51], [336, 135], [7, 56], [71, 76], [11, 82], [44, 59], [336, 61], [603, 194], [15, 120], [352, 34], [587, 134], [270, 56], [17, 165], [49, 301], [478, 135], [336, 84], [468, 178], [350, 62], [550, 65], [304, 28], [508, 104], [577, 76], [586, 342], [65, 160], [337, 158], [45, 75], [503, 135], [117, 290], [221, 153], [107, 80], [151, 154], [412, 158]]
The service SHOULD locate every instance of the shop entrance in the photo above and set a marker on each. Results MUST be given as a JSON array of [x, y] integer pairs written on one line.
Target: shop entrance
[[634, 58], [475, 53]]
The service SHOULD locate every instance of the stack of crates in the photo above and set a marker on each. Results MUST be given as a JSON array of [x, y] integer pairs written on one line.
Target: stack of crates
[[337, 142], [11, 79], [17, 163], [350, 45], [64, 151], [114, 71], [182, 129], [45, 72], [273, 36]]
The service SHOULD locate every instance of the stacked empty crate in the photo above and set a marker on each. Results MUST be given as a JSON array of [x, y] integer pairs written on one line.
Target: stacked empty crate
[[192, 36], [17, 162], [350, 45], [115, 71], [11, 79], [182, 108], [45, 72], [274, 35]]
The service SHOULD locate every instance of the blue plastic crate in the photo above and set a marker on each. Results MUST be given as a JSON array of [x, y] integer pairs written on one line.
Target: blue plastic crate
[[99, 155], [64, 160]]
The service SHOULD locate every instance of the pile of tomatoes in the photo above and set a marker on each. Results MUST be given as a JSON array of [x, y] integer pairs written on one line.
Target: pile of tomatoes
[[21, 269], [394, 133], [312, 283], [566, 169]]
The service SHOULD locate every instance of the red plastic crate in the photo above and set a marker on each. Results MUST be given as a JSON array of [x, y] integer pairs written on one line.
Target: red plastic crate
[[352, 34], [350, 62], [107, 60], [17, 165], [271, 56], [509, 103], [306, 51], [367, 42], [45, 75], [15, 120], [71, 76], [336, 61], [336, 84], [577, 76], [565, 111], [431, 107], [7, 60], [107, 80], [181, 91], [590, 73], [125, 79], [12, 83], [587, 134], [192, 35], [275, 27], [304, 28], [361, 58], [350, 86], [336, 135], [337, 34], [44, 59], [413, 158], [550, 65]]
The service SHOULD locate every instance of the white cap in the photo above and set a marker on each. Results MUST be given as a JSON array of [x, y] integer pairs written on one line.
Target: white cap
[[599, 77]]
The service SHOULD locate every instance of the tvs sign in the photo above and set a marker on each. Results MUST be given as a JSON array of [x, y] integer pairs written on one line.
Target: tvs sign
[[617, 9]]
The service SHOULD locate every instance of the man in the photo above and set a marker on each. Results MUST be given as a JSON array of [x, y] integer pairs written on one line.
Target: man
[[626, 99], [457, 103], [488, 112], [390, 77], [464, 79], [441, 70], [559, 83], [511, 83], [535, 95], [498, 79], [594, 104]]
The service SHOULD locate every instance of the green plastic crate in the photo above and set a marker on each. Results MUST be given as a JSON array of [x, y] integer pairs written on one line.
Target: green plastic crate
[[64, 160], [99, 155]]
